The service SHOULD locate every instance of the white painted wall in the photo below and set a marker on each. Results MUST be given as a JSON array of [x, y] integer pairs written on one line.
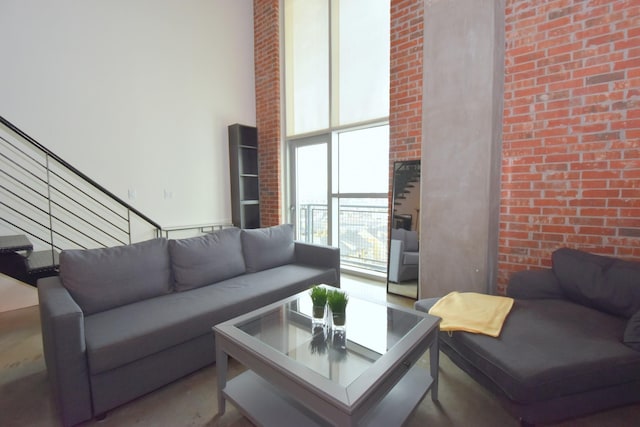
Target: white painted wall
[[137, 94]]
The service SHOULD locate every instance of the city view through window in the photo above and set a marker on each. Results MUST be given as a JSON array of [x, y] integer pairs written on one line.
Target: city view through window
[[337, 110]]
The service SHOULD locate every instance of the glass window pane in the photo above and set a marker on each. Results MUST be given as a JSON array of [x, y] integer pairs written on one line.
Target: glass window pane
[[363, 232], [364, 161], [364, 43], [307, 65], [311, 194]]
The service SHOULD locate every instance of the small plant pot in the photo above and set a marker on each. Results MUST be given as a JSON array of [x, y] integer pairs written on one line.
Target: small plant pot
[[339, 319], [319, 312]]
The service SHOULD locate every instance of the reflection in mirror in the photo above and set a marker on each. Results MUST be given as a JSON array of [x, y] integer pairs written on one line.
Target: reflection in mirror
[[402, 271]]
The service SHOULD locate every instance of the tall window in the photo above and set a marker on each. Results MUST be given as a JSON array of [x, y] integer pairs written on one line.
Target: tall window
[[337, 108]]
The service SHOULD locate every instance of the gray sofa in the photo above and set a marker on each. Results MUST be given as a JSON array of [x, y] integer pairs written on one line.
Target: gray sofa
[[120, 322], [570, 345]]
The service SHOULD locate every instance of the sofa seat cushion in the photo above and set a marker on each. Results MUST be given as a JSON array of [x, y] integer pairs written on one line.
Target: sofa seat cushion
[[411, 258], [128, 333], [203, 260], [101, 279], [550, 348]]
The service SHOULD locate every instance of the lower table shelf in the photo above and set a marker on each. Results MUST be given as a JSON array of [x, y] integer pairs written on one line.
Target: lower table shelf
[[266, 405]]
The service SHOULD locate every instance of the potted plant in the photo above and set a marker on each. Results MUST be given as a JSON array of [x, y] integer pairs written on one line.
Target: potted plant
[[319, 299], [337, 301]]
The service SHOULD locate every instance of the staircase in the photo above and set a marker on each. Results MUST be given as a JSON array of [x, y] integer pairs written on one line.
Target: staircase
[[47, 205], [406, 182], [18, 260], [405, 179]]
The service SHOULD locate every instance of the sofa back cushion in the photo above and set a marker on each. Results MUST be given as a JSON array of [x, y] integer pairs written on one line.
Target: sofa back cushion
[[204, 260], [409, 237], [101, 279], [397, 234], [269, 247], [623, 277], [411, 241], [607, 284], [632, 332]]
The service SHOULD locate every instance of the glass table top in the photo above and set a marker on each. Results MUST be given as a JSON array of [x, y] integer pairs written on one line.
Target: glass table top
[[340, 355]]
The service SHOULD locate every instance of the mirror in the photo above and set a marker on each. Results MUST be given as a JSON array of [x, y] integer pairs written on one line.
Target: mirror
[[403, 259]]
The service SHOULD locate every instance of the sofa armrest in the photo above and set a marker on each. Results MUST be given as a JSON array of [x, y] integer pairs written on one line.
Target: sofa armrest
[[319, 256], [396, 249], [534, 284], [62, 323]]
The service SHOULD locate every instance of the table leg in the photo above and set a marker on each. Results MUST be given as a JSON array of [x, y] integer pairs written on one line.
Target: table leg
[[221, 372], [434, 359]]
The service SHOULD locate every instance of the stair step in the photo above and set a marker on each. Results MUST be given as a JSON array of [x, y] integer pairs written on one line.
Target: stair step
[[47, 261], [15, 243]]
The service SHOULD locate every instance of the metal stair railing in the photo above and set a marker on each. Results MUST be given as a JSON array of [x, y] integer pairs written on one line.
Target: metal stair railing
[[56, 205]]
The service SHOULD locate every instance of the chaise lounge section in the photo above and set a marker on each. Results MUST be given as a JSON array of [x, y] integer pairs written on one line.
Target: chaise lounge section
[[570, 345], [120, 322]]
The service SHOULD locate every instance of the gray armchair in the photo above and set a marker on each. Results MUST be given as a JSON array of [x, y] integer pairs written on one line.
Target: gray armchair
[[403, 255]]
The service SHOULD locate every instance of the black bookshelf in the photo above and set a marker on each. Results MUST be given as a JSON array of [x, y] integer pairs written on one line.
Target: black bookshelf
[[245, 184]]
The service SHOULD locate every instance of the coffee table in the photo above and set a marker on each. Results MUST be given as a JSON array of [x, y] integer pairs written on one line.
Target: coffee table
[[303, 373]]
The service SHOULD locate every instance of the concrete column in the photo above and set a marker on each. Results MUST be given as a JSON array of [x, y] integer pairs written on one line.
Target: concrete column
[[462, 122]]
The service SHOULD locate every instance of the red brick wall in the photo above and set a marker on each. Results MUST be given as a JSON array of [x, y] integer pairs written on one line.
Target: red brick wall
[[266, 16], [571, 131], [405, 91]]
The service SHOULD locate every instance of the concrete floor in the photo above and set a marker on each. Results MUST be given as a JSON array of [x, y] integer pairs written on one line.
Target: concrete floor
[[15, 294], [25, 399]]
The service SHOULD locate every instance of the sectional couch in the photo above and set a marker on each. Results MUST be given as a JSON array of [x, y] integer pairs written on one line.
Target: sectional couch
[[120, 322], [570, 345]]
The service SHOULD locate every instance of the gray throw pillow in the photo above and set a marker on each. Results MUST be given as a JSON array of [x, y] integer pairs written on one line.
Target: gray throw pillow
[[632, 332], [204, 260], [101, 279], [269, 247]]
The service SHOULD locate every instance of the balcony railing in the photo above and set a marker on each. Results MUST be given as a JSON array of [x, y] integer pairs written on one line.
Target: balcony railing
[[362, 232]]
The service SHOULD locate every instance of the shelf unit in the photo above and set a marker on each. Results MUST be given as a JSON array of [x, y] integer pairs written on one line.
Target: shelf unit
[[243, 168]]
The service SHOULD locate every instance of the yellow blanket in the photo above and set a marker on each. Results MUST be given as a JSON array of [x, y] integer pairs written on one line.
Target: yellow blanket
[[472, 312]]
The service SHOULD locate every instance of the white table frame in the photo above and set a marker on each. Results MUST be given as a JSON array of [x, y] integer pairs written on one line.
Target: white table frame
[[277, 389]]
